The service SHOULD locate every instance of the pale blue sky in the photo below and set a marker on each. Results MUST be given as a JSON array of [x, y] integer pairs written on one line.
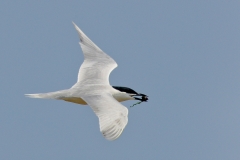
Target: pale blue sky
[[183, 54]]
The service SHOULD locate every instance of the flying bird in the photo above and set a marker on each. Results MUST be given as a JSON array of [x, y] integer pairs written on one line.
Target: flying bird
[[93, 89]]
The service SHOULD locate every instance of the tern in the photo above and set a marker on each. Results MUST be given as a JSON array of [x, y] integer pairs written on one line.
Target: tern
[[93, 89]]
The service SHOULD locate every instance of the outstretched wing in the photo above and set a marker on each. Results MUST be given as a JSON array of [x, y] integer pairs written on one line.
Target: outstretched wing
[[97, 65], [113, 116]]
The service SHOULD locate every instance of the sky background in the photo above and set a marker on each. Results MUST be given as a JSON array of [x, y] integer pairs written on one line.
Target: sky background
[[183, 54]]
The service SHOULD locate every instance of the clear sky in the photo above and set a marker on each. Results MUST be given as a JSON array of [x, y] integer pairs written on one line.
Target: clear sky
[[183, 54]]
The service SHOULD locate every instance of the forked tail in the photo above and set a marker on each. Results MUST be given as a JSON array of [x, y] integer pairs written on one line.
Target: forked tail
[[51, 95]]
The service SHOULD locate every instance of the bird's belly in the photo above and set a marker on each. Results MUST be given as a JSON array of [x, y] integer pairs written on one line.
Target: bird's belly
[[75, 100]]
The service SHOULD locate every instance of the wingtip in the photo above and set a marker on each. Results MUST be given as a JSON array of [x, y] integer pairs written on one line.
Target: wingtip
[[76, 27], [84, 39], [80, 32], [73, 23]]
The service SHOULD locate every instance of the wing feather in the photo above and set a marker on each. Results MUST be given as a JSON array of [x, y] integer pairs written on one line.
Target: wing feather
[[112, 115], [97, 65]]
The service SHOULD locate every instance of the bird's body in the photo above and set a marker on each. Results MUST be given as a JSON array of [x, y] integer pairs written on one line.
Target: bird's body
[[93, 89], [74, 94]]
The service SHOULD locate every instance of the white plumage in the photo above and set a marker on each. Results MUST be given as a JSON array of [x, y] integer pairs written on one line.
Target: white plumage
[[93, 88]]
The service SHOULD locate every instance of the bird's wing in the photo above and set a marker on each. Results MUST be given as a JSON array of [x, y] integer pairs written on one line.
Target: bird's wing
[[97, 65], [113, 116]]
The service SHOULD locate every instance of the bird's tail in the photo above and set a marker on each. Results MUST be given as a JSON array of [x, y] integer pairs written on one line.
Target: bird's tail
[[49, 95], [38, 95]]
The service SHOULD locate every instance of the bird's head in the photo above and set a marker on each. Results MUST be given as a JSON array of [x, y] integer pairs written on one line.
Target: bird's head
[[137, 96]]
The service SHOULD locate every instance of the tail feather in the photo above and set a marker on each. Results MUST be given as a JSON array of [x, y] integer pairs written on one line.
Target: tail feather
[[34, 95], [50, 95]]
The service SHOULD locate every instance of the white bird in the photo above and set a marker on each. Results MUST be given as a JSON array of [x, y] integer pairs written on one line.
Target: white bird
[[93, 89]]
